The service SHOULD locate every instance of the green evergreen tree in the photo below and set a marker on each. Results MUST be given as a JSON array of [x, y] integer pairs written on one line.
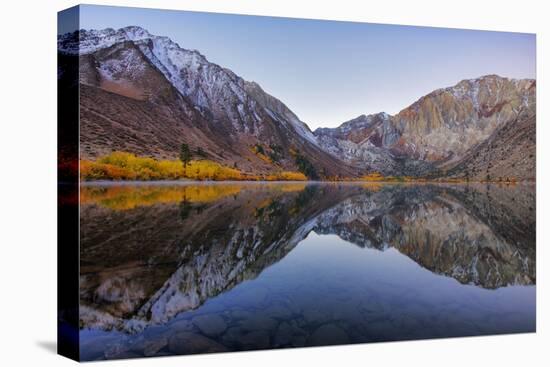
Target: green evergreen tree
[[185, 154]]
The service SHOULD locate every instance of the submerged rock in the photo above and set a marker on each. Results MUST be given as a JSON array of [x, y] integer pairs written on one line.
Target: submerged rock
[[259, 322], [189, 343], [289, 335], [256, 340], [151, 347], [210, 325], [328, 334]]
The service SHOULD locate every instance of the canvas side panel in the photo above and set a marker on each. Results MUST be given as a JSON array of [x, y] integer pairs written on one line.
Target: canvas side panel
[[68, 208]]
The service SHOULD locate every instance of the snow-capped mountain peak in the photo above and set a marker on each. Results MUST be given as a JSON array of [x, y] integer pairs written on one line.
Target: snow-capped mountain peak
[[240, 112]]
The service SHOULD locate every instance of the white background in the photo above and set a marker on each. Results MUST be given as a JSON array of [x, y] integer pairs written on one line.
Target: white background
[[28, 179]]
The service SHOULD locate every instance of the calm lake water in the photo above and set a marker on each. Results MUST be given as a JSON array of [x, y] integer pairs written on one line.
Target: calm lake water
[[194, 268]]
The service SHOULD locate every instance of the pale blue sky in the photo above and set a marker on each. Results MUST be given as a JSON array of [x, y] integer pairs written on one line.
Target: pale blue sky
[[328, 72]]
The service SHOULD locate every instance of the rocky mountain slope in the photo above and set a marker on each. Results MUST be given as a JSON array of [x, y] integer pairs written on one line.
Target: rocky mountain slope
[[145, 94], [441, 129], [508, 154], [360, 142]]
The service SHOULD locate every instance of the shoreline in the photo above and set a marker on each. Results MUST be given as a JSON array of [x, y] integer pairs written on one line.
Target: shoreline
[[308, 182]]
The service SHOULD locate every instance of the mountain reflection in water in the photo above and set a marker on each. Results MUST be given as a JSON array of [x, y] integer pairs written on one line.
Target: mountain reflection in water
[[191, 268]]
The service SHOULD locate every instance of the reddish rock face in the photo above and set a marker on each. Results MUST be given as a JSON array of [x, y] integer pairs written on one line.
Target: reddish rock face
[[438, 130], [448, 122]]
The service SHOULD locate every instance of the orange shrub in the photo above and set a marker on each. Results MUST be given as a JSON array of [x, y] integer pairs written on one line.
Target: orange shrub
[[373, 176], [208, 170], [128, 166], [260, 153], [286, 176]]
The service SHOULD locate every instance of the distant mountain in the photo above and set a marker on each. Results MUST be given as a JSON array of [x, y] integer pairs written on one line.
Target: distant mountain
[[367, 142], [145, 94], [439, 130]]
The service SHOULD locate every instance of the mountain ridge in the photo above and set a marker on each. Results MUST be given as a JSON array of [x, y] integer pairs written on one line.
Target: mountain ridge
[[439, 128], [232, 120]]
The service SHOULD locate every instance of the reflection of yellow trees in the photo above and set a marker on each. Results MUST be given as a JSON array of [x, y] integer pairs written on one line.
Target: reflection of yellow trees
[[378, 177], [290, 187], [123, 197], [129, 197], [372, 186]]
